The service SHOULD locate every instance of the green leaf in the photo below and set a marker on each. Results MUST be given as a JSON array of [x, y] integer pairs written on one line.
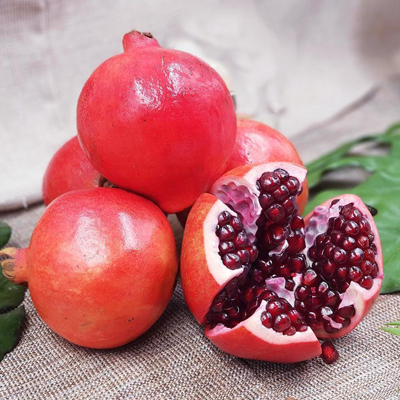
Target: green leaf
[[11, 295], [380, 190], [10, 329], [5, 233]]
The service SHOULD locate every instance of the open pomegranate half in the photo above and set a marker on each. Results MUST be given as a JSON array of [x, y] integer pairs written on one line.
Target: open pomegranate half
[[266, 283]]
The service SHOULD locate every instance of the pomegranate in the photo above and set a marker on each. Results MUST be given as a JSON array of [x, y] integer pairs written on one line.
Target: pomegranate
[[101, 266], [258, 143], [68, 170], [158, 122], [266, 283]]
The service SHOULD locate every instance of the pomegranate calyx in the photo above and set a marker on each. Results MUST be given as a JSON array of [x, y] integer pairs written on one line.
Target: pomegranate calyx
[[135, 39], [15, 265]]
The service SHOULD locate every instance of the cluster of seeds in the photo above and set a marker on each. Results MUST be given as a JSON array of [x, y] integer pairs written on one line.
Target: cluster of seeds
[[234, 245], [344, 253]]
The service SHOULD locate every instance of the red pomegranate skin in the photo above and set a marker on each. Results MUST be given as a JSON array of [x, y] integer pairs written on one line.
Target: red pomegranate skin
[[68, 170], [158, 122], [101, 266], [257, 143]]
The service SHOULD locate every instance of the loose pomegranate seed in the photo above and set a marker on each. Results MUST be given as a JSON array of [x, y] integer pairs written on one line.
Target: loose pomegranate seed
[[329, 353]]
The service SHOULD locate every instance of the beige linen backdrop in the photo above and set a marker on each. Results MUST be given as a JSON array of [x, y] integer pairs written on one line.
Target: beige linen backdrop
[[292, 63]]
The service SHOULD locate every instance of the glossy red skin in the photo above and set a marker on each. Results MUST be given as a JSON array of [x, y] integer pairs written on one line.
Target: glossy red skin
[[68, 170], [257, 143], [101, 266], [158, 122]]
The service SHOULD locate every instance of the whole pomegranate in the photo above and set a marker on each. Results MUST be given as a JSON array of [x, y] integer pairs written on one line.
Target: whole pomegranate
[[101, 266], [265, 282], [158, 122], [258, 143], [68, 170]]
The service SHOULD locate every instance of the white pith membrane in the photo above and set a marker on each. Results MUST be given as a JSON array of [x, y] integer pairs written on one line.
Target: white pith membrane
[[242, 195]]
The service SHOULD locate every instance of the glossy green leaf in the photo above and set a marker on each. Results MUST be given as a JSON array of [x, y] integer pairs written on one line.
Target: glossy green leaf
[[5, 233], [380, 190], [11, 296], [392, 327], [10, 329]]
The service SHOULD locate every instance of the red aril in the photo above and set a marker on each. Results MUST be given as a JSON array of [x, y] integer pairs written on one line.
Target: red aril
[[314, 284], [101, 266], [158, 122]]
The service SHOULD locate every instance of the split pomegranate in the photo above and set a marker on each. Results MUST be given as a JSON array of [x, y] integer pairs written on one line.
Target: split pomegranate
[[267, 283], [158, 122], [258, 143], [101, 266], [68, 170]]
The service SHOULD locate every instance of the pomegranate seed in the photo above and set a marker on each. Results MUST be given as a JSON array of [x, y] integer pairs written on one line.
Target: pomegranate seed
[[266, 319], [296, 244], [355, 273], [275, 307], [341, 274], [231, 261], [266, 200], [356, 256], [367, 282], [347, 311], [369, 255], [337, 238], [217, 307], [302, 328], [302, 292], [326, 311], [267, 294], [297, 222], [233, 312], [310, 277], [339, 256], [253, 252], [329, 353], [244, 256], [366, 267], [282, 322], [338, 223], [226, 233], [281, 174], [313, 302], [319, 240], [297, 264], [312, 253], [218, 317], [300, 305], [229, 247], [351, 228], [329, 328], [312, 318], [290, 331], [331, 298], [363, 242], [375, 270], [269, 181], [236, 224], [328, 250], [224, 218], [295, 317], [278, 233], [281, 193], [241, 240], [323, 288], [290, 206], [364, 226], [293, 185], [252, 307], [348, 243], [289, 285], [328, 269], [344, 321], [275, 213]]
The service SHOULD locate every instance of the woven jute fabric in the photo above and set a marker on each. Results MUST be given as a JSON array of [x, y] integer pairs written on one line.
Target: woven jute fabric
[[174, 360]]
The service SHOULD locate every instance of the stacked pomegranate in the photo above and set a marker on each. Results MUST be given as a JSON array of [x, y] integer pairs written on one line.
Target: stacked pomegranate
[[265, 282]]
